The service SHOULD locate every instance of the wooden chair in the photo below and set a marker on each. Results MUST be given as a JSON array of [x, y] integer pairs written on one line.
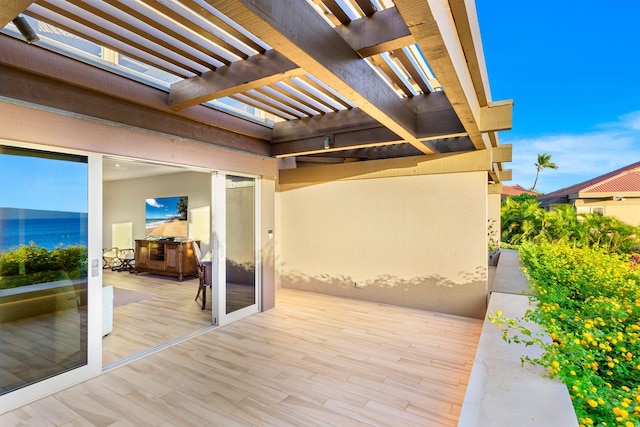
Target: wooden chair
[[204, 273]]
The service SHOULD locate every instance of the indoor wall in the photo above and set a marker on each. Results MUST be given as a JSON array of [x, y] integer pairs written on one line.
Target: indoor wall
[[416, 241], [124, 201]]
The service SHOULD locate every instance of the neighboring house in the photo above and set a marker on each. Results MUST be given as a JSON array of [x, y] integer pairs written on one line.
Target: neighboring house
[[352, 152], [516, 190], [615, 194]]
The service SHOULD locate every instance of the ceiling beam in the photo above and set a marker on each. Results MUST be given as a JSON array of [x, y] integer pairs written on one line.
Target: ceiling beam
[[366, 6], [502, 154], [434, 28], [369, 153], [466, 18], [363, 138], [294, 28], [240, 76], [496, 116], [383, 31], [36, 60], [66, 99], [472, 161], [323, 124], [9, 9], [435, 116]]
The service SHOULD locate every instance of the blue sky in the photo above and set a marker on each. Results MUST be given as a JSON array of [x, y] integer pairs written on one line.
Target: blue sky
[[43, 184], [572, 69]]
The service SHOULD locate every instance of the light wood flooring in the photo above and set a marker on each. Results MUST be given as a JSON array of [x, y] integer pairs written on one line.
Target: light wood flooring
[[314, 360], [173, 313]]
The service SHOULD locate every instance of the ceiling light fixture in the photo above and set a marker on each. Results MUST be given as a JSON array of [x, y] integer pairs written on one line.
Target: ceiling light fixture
[[328, 141]]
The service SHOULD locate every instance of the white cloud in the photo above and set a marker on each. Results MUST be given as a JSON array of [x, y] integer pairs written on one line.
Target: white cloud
[[154, 203], [579, 156]]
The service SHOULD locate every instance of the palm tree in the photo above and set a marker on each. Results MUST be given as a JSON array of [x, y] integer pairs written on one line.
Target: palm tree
[[544, 162]]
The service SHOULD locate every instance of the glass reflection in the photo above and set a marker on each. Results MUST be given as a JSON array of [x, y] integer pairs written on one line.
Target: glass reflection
[[241, 255], [43, 265]]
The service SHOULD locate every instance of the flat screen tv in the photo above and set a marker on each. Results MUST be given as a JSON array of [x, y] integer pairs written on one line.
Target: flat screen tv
[[167, 217]]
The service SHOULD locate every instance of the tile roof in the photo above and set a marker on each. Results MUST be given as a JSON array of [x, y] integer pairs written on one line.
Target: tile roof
[[629, 181], [621, 180], [515, 190]]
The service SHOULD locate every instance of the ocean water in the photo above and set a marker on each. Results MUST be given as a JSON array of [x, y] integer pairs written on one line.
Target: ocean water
[[48, 233]]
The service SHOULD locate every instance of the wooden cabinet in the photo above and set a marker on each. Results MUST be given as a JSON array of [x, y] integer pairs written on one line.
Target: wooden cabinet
[[166, 257]]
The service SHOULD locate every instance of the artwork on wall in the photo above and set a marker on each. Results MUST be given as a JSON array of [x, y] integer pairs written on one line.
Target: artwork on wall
[[167, 216]]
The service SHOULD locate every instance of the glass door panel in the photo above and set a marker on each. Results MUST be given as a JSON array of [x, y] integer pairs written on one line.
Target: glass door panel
[[43, 265], [240, 254]]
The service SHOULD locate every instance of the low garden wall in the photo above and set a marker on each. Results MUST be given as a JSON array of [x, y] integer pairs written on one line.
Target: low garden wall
[[501, 390]]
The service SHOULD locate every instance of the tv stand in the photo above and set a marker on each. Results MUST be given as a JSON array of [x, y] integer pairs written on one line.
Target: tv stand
[[166, 257]]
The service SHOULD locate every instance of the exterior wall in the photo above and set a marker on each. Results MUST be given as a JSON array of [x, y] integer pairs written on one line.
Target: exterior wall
[[627, 210], [416, 241], [494, 203], [24, 125]]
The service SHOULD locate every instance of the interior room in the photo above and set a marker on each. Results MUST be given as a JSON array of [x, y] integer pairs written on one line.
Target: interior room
[[151, 309]]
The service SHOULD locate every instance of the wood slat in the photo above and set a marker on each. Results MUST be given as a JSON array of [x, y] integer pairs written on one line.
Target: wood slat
[[223, 44], [313, 360], [367, 8], [114, 34]]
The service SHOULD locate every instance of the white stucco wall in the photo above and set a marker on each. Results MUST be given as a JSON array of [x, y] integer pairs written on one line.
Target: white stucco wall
[[417, 241]]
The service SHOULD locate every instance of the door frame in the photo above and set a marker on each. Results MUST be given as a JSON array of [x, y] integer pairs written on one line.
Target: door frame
[[219, 236]]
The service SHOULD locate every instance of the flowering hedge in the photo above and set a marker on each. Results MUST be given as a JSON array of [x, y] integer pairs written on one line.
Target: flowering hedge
[[589, 304]]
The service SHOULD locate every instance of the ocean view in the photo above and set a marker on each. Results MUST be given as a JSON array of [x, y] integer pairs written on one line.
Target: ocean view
[[47, 229]]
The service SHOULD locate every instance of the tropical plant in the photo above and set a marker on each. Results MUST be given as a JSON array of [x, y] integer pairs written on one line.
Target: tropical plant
[[544, 162], [521, 221], [588, 303], [524, 221]]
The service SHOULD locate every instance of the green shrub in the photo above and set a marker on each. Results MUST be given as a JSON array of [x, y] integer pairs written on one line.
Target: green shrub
[[32, 264], [588, 302], [523, 221]]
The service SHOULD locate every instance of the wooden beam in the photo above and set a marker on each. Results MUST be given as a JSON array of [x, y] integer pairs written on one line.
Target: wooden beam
[[9, 9], [367, 8], [240, 76], [72, 100], [294, 28], [383, 31], [436, 116], [371, 153], [337, 11], [324, 124], [434, 28], [24, 57], [496, 116], [502, 154], [466, 18], [339, 142], [472, 161]]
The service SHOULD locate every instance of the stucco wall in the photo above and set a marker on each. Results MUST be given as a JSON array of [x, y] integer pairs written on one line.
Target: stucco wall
[[416, 241], [626, 210]]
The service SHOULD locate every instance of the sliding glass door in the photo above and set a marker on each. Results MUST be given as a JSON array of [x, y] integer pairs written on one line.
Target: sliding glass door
[[238, 268], [43, 265]]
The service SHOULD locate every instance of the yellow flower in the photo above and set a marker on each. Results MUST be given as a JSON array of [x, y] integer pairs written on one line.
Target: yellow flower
[[592, 403]]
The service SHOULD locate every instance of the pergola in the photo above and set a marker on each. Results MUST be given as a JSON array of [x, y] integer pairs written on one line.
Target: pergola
[[338, 80]]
